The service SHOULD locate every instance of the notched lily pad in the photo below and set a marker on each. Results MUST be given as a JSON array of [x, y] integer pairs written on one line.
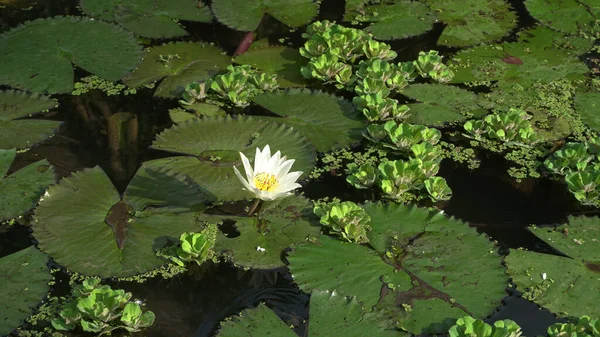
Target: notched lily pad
[[17, 132], [330, 315], [178, 64], [569, 16], [246, 15], [148, 18], [587, 106], [424, 268], [39, 54], [24, 281], [263, 239], [471, 22], [571, 286], [20, 191], [328, 121], [101, 233], [198, 139]]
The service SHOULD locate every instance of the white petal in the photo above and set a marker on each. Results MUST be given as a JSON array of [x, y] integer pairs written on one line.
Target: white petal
[[258, 161], [273, 163], [283, 169], [244, 182], [247, 167], [288, 188], [290, 177]]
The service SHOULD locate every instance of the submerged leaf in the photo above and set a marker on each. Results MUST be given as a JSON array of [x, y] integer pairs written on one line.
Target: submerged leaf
[[39, 54], [24, 282]]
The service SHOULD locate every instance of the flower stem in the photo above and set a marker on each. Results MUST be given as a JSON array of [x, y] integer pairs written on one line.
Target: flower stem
[[254, 206]]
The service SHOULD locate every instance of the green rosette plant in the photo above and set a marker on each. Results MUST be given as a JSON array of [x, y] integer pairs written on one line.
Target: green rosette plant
[[429, 65], [236, 87], [192, 247], [361, 177], [470, 327], [100, 309], [427, 152], [403, 136], [377, 108], [571, 157], [585, 186], [585, 327], [345, 219], [329, 69], [512, 127], [399, 177], [438, 189]]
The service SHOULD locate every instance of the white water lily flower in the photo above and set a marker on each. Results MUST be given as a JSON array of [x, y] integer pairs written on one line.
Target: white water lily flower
[[271, 177]]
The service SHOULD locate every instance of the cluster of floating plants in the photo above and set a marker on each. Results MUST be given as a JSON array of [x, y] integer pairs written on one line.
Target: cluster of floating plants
[[204, 158]]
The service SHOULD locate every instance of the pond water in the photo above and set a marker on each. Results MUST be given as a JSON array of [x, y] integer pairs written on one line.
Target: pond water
[[194, 303]]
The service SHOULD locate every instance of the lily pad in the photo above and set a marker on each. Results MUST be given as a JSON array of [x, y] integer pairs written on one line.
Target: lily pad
[[37, 55], [328, 121], [572, 284], [283, 61], [24, 284], [568, 16], [102, 234], [180, 64], [471, 22], [263, 240], [399, 20], [246, 15], [442, 269], [330, 315], [20, 191], [211, 147], [440, 104], [587, 106], [148, 18], [23, 133], [537, 56]]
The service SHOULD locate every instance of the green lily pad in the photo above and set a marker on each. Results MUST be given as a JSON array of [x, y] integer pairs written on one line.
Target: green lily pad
[[444, 269], [587, 106], [572, 284], [471, 22], [263, 240], [328, 121], [23, 133], [352, 8], [24, 284], [102, 234], [399, 20], [246, 15], [180, 64], [330, 315], [537, 56], [38, 54], [148, 18], [283, 61], [568, 16], [440, 104], [221, 139], [20, 191]]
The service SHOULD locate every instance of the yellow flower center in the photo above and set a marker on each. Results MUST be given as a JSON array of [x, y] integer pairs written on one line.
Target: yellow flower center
[[265, 182]]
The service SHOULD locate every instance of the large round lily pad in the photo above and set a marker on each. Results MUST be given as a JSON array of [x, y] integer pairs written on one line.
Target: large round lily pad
[[148, 18], [23, 133], [24, 280], [85, 225], [20, 191], [572, 284], [283, 61], [263, 239], [330, 315], [397, 20], [328, 121], [246, 15], [471, 22], [569, 16], [587, 106], [442, 268], [536, 56], [440, 103], [180, 64], [211, 147], [39, 54]]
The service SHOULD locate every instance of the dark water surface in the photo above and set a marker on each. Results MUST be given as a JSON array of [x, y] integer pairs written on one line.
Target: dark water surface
[[194, 304]]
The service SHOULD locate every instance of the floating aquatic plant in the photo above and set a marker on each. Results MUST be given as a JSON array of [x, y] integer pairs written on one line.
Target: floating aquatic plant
[[470, 327], [345, 219], [512, 127], [192, 247], [100, 309], [584, 327], [363, 176]]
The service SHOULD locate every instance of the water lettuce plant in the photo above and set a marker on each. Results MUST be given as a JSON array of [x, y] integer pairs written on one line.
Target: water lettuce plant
[[512, 127], [346, 219], [470, 327], [192, 247], [100, 309], [585, 326]]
